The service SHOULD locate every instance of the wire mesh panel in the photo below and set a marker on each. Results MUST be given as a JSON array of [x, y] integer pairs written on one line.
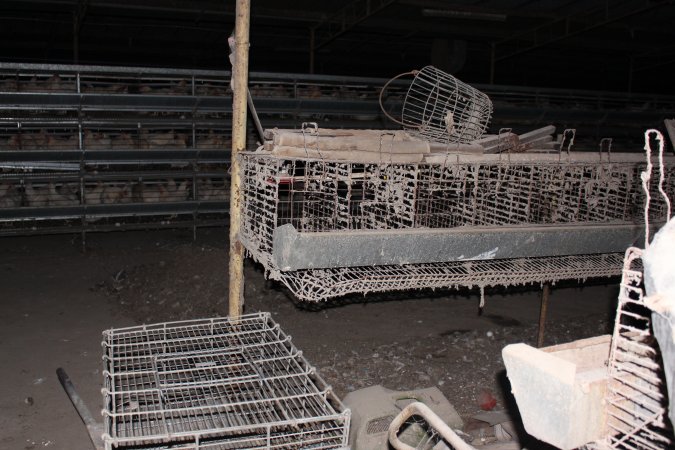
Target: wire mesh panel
[[637, 415], [317, 195], [216, 384], [441, 108]]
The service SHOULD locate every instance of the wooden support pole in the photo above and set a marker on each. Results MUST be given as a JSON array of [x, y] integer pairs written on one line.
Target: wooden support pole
[[545, 293], [239, 99]]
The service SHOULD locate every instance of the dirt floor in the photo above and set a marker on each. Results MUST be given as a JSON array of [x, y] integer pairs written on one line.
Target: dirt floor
[[56, 299]]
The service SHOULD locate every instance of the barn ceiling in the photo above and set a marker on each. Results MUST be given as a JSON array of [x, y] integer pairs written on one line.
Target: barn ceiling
[[603, 45]]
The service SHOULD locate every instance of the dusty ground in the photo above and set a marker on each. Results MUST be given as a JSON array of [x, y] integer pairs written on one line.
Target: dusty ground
[[55, 300]]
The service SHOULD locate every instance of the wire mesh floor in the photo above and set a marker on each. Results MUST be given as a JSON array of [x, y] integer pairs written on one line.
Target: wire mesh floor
[[216, 384]]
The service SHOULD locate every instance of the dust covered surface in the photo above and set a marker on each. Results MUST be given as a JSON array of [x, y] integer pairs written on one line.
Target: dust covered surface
[[184, 282], [402, 341]]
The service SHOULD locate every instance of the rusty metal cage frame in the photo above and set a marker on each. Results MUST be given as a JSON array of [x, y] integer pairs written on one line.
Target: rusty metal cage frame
[[316, 195]]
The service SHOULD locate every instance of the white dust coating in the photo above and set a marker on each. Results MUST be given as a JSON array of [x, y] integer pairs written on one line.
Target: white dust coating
[[316, 195], [489, 254]]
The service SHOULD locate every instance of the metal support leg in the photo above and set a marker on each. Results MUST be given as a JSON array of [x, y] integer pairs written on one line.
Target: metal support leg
[[546, 291]]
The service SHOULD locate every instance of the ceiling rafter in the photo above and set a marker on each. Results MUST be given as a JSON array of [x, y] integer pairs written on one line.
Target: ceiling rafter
[[345, 19], [568, 26]]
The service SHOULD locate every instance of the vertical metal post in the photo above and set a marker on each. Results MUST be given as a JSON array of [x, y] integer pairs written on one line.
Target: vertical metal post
[[239, 98], [311, 50], [492, 63], [76, 38], [79, 14], [546, 291]]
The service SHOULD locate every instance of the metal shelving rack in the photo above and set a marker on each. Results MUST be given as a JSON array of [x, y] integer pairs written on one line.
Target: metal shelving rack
[[86, 125], [98, 148]]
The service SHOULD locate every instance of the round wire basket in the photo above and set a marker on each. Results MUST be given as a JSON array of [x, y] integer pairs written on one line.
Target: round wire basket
[[441, 108]]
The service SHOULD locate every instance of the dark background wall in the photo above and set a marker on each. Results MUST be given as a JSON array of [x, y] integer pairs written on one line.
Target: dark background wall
[[624, 46]]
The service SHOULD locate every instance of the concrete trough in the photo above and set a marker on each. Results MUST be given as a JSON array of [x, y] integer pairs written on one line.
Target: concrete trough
[[560, 390]]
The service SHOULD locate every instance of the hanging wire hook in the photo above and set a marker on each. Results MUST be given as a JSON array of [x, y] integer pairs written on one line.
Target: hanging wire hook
[[311, 128], [662, 175], [646, 176]]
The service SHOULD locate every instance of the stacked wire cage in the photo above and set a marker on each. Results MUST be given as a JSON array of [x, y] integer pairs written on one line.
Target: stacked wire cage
[[464, 192], [88, 148], [216, 384]]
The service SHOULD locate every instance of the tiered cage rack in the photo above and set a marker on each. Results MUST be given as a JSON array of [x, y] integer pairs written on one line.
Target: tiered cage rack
[[93, 148], [136, 135]]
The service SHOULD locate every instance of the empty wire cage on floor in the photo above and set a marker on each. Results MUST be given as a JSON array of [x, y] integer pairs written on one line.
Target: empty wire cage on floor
[[216, 384], [467, 192]]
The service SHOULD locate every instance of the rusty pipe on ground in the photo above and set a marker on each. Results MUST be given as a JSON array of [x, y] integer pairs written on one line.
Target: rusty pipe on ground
[[94, 428], [435, 422]]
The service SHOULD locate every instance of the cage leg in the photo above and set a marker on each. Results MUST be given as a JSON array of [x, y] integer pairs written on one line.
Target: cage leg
[[194, 227], [545, 293]]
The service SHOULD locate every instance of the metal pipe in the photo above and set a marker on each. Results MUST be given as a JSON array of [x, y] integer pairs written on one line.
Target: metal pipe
[[312, 41], [545, 293], [492, 63], [435, 422], [254, 115], [76, 39], [94, 428], [239, 100]]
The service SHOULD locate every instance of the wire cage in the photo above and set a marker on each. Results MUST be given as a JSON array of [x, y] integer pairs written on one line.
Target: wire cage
[[636, 395], [345, 198], [215, 384], [443, 109]]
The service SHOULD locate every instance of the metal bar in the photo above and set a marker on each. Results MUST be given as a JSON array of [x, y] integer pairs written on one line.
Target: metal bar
[[545, 293], [240, 93], [312, 52], [313, 78], [296, 251], [95, 429], [111, 210], [254, 114], [96, 228], [64, 159], [296, 78]]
